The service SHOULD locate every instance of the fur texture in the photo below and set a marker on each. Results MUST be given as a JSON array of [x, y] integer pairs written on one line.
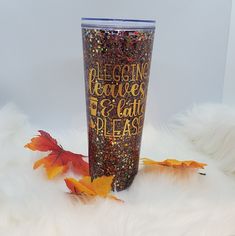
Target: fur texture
[[156, 204]]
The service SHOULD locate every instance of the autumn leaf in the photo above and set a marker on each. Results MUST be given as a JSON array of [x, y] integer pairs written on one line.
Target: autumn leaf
[[58, 161], [174, 163], [84, 187], [43, 142]]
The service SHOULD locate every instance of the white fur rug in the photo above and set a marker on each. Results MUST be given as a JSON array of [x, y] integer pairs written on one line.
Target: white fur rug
[[154, 205]]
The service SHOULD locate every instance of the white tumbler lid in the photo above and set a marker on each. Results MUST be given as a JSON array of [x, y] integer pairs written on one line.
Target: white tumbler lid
[[117, 23]]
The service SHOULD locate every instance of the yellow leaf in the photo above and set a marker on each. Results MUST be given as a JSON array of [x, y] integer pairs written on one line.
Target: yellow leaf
[[100, 186], [174, 163]]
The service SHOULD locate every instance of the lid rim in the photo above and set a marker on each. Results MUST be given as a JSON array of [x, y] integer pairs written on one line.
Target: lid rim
[[117, 19], [110, 27]]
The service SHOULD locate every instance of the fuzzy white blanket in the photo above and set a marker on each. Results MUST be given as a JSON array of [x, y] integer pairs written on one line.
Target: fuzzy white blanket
[[154, 205]]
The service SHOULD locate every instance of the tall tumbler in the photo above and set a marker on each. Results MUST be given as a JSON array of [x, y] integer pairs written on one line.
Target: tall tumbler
[[117, 57]]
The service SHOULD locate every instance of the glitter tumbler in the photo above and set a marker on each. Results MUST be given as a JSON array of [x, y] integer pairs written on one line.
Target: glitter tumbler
[[117, 57]]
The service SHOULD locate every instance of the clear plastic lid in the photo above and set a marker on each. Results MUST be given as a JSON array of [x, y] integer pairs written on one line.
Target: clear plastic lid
[[117, 23]]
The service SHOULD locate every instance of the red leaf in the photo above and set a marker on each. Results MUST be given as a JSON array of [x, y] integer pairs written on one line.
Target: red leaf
[[58, 160]]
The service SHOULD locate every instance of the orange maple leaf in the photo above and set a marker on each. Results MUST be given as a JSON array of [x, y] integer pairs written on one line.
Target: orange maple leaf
[[84, 187], [174, 163], [58, 160]]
